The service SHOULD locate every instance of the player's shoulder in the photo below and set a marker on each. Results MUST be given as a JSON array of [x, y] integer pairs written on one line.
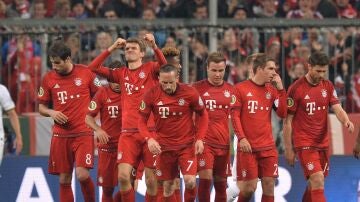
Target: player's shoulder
[[3, 89], [242, 85], [199, 84], [298, 83]]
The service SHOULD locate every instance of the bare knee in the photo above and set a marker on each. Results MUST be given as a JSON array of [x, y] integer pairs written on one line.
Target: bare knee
[[150, 181], [65, 178], [190, 181], [316, 180], [268, 184], [247, 188], [82, 173], [168, 188], [206, 174]]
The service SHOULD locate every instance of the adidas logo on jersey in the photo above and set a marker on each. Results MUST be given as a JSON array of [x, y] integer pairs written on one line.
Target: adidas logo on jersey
[[306, 97], [127, 78], [108, 100], [206, 94], [160, 103], [249, 94], [56, 86]]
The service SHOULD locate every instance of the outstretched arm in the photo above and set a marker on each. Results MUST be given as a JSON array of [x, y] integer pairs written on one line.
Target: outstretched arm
[[343, 117]]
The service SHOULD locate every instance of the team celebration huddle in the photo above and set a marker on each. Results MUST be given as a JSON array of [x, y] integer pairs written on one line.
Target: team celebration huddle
[[146, 121]]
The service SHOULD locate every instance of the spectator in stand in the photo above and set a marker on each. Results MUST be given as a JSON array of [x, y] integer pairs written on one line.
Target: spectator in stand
[[109, 13], [266, 9], [126, 8], [2, 10], [198, 54], [174, 8], [345, 9], [240, 12], [201, 12], [79, 11], [325, 7], [160, 34], [63, 9], [38, 10], [305, 11]]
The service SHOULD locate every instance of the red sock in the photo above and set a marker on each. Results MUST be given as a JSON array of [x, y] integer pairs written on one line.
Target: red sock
[[220, 191], [160, 193], [306, 195], [88, 190], [107, 194], [204, 190], [170, 198], [266, 198], [149, 198], [318, 195], [117, 197], [242, 198], [178, 195], [128, 196], [66, 193], [190, 195]]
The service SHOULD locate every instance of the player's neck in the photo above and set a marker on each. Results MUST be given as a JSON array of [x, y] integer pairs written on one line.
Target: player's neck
[[135, 65], [257, 80], [309, 80]]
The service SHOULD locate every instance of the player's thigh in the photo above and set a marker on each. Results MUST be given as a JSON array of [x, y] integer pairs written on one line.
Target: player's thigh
[[148, 158], [221, 167], [310, 160], [129, 149], [268, 163], [247, 166], [83, 147], [61, 158], [188, 161], [167, 165], [107, 169]]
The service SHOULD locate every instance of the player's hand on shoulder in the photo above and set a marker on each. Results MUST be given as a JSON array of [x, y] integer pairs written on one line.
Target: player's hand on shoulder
[[154, 146], [290, 157], [199, 147], [59, 117], [244, 145], [102, 136]]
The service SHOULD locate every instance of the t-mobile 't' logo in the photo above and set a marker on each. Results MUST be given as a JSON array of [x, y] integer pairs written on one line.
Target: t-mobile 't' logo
[[252, 105], [129, 87], [211, 104], [164, 112], [113, 111], [310, 107], [62, 96]]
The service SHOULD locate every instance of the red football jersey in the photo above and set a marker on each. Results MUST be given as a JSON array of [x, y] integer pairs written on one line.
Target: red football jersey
[[173, 114], [218, 101], [108, 103], [310, 105], [70, 94], [133, 83], [256, 103]]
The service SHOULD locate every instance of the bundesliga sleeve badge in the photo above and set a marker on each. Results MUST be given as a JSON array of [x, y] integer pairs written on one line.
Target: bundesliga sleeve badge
[[290, 102], [92, 105], [142, 105], [97, 82], [41, 92]]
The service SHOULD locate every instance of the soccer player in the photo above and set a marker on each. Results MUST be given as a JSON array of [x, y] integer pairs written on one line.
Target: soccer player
[[219, 98], [306, 125], [107, 102], [178, 140], [233, 190], [134, 81], [256, 152], [69, 87], [8, 105]]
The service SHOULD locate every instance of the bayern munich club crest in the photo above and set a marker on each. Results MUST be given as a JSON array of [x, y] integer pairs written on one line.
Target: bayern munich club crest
[[158, 172], [181, 102], [226, 93], [323, 92], [310, 166], [78, 82], [268, 95], [142, 75], [202, 162]]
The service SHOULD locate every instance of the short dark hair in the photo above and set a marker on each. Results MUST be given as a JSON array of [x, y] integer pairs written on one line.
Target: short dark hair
[[167, 68], [261, 60], [318, 58], [215, 57], [115, 64], [138, 41], [59, 49]]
